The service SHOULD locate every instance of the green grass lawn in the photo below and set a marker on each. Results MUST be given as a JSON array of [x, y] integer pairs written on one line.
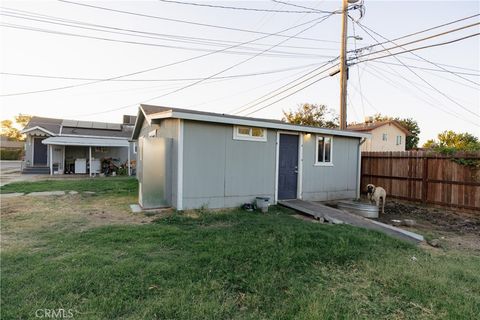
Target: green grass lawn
[[100, 185], [233, 265]]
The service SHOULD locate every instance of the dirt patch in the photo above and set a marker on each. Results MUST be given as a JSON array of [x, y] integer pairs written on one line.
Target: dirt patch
[[434, 218], [451, 228], [23, 217]]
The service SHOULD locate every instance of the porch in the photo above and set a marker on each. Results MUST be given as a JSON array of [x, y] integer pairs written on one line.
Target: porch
[[92, 156]]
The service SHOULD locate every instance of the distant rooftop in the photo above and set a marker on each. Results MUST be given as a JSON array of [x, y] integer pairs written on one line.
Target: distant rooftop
[[78, 127]]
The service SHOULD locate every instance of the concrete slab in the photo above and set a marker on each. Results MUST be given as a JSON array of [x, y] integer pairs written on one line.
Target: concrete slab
[[46, 193], [319, 210], [136, 208], [89, 192], [11, 195], [73, 192]]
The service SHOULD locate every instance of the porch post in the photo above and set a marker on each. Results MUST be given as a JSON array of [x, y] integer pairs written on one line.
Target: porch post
[[50, 149], [90, 161], [128, 163]]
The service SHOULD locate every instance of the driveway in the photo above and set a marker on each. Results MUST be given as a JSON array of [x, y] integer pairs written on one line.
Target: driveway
[[10, 166]]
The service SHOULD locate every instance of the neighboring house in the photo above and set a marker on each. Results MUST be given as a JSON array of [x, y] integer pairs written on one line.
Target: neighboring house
[[6, 144], [386, 135], [58, 146], [190, 159]]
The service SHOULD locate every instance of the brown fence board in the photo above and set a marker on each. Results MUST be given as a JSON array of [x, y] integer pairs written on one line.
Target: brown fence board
[[424, 176]]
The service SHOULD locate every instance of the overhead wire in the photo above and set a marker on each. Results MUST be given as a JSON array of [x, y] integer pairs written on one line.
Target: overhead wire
[[317, 21], [424, 80], [196, 4], [433, 105], [160, 80], [180, 38], [238, 63], [165, 65], [421, 31], [265, 97], [365, 28], [189, 22], [414, 41]]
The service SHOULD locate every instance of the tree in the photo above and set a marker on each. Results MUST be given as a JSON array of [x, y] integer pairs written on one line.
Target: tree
[[22, 119], [411, 141], [11, 132], [449, 140], [316, 115], [408, 123]]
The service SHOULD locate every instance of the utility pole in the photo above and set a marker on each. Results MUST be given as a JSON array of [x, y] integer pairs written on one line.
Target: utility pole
[[343, 64], [343, 67]]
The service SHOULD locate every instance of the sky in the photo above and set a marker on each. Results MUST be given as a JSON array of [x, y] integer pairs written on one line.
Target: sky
[[438, 100]]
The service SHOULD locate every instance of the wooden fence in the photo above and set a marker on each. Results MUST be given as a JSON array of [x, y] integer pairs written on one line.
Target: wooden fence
[[424, 177]]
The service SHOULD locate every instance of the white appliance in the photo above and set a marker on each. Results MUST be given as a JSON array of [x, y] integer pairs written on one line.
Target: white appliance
[[81, 166], [95, 166]]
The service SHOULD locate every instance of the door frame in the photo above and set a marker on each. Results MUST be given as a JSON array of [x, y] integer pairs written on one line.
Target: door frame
[[300, 162], [33, 150]]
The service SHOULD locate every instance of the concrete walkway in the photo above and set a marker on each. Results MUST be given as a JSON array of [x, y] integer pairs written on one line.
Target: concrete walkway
[[319, 210]]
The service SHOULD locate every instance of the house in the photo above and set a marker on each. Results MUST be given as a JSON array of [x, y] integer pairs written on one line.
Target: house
[[191, 159], [61, 146], [386, 135]]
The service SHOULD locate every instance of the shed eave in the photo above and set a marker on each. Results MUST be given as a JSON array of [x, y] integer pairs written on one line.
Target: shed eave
[[255, 123]]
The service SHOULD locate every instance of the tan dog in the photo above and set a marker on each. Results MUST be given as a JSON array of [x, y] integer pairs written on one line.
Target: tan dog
[[374, 194]]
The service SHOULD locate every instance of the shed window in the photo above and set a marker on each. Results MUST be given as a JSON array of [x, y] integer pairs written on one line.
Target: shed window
[[249, 133], [324, 150], [399, 140]]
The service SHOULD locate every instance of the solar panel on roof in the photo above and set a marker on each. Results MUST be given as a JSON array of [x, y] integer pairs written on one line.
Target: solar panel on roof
[[69, 123], [114, 126], [99, 125], [84, 124]]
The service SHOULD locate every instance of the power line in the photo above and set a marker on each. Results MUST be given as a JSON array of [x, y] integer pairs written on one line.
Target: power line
[[298, 6], [239, 63], [428, 69], [159, 80], [165, 65], [319, 20], [244, 107], [358, 71], [275, 54], [425, 81], [190, 22], [240, 8], [435, 106], [289, 95], [150, 35], [418, 32], [420, 48], [413, 41], [365, 28]]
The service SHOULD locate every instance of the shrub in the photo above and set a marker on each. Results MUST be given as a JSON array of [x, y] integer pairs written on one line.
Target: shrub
[[11, 154]]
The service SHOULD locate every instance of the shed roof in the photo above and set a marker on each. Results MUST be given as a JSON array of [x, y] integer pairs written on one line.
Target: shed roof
[[151, 112]]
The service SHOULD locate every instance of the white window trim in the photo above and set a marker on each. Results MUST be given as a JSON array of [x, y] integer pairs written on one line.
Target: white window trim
[[135, 148], [323, 164], [399, 140], [239, 136]]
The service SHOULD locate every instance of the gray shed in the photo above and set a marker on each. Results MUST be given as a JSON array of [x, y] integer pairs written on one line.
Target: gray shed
[[191, 159]]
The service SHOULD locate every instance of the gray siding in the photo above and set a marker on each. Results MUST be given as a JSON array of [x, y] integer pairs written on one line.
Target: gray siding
[[222, 172], [167, 128], [330, 182]]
